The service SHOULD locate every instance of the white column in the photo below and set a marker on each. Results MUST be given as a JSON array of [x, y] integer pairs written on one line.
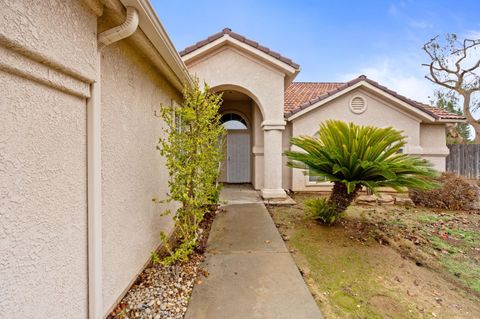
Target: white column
[[272, 160]]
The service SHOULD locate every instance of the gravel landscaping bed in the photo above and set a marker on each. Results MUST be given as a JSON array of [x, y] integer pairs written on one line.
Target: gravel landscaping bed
[[163, 292]]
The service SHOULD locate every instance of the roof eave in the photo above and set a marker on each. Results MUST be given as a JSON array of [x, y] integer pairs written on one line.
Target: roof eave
[[422, 114], [289, 71], [447, 120], [155, 32], [289, 78], [274, 59]]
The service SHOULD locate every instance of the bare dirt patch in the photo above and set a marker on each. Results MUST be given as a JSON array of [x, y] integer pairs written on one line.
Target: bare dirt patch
[[381, 262]]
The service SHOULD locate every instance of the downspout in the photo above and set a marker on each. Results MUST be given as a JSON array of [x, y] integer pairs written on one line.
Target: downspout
[[123, 31], [94, 170]]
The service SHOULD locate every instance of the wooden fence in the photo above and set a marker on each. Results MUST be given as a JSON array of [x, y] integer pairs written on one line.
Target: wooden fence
[[464, 160]]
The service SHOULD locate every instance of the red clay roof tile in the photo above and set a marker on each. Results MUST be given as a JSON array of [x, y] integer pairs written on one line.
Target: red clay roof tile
[[240, 38], [301, 95]]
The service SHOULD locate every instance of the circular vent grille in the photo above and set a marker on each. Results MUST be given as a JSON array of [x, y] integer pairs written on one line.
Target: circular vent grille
[[358, 104]]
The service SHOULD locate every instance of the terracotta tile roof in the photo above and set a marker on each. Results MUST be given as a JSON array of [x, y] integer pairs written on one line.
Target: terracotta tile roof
[[240, 38], [301, 95], [441, 113]]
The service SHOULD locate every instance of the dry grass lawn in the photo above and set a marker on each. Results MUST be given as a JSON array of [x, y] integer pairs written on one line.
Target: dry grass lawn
[[387, 261]]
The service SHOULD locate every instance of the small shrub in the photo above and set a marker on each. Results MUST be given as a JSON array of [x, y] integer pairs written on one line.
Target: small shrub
[[455, 193], [354, 156], [322, 210], [191, 145]]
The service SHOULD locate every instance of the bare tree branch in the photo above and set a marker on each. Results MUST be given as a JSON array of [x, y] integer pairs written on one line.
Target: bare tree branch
[[475, 66], [440, 83], [463, 80]]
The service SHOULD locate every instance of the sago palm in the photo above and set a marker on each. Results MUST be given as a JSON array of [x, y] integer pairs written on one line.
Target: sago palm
[[353, 156]]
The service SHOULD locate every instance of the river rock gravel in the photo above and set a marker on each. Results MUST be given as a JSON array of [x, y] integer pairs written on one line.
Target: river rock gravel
[[161, 291]]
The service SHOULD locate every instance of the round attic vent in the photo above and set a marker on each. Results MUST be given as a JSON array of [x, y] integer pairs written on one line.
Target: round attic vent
[[358, 104]]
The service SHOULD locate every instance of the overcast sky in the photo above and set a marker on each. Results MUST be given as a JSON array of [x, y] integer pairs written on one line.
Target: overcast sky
[[332, 40]]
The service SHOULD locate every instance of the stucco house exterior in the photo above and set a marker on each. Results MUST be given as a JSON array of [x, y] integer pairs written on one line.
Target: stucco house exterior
[[78, 164], [258, 90], [81, 82]]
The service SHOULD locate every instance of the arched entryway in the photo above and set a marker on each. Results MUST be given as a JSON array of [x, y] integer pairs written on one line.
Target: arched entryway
[[236, 167], [228, 64]]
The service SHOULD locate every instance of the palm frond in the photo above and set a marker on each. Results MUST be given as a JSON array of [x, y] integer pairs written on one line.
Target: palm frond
[[360, 155]]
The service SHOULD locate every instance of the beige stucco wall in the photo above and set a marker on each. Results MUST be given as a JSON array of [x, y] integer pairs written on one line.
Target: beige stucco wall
[[132, 170], [433, 141], [230, 68], [257, 148], [379, 112], [43, 235], [287, 171], [45, 30], [43, 179], [47, 63]]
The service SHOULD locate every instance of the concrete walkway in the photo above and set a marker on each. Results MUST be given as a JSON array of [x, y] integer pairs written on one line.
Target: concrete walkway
[[251, 272]]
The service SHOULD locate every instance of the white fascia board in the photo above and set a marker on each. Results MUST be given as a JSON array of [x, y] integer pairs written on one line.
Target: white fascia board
[[288, 70], [155, 32], [202, 50], [419, 113], [446, 121]]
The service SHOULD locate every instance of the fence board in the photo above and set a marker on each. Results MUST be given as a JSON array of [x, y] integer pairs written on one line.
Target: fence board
[[464, 160]]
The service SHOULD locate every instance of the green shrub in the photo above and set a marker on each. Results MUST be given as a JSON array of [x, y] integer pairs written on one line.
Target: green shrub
[[323, 210], [192, 148], [455, 193]]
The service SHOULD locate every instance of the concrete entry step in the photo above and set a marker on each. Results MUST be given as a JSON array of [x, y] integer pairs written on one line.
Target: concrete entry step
[[244, 193], [251, 273], [239, 194]]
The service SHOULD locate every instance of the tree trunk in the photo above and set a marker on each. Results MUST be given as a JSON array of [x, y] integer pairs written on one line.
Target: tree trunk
[[341, 198], [470, 119]]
